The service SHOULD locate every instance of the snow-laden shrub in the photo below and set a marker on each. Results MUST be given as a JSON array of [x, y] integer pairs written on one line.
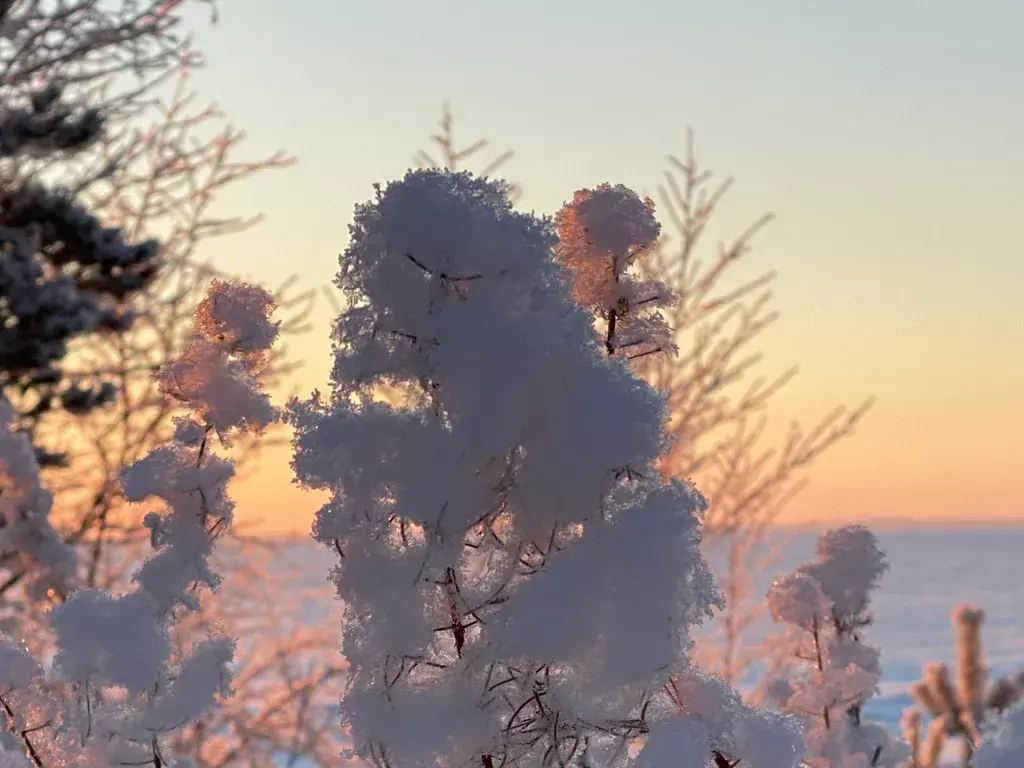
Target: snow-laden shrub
[[520, 582]]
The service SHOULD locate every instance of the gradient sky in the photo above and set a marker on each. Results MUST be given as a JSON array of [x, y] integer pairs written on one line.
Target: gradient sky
[[887, 137]]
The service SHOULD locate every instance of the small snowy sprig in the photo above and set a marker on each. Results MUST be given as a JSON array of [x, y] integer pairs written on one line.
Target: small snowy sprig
[[826, 672], [602, 234], [115, 688]]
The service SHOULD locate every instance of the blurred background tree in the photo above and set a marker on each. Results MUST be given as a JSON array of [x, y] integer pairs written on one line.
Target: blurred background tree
[[720, 403]]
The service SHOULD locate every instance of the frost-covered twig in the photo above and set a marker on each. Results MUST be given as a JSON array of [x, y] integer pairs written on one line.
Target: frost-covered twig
[[168, 186], [964, 709], [453, 158]]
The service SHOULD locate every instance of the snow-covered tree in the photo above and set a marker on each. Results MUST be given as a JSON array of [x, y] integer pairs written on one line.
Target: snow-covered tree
[[826, 672], [519, 581], [90, 114], [115, 688], [171, 184]]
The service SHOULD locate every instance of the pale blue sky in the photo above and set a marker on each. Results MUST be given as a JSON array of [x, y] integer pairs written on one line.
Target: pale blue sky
[[887, 136], [890, 124]]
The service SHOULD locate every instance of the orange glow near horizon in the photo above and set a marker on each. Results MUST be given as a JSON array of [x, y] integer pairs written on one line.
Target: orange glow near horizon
[[890, 154], [906, 464]]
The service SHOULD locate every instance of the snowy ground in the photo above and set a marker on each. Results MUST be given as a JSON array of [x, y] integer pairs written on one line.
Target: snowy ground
[[932, 571]]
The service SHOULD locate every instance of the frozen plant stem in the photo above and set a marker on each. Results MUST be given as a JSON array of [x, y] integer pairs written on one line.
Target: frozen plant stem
[[967, 708]]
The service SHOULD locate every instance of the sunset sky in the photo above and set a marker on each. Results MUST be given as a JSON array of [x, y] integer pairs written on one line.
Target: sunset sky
[[888, 138]]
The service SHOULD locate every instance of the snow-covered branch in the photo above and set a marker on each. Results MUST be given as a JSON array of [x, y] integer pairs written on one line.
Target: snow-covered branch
[[115, 688]]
